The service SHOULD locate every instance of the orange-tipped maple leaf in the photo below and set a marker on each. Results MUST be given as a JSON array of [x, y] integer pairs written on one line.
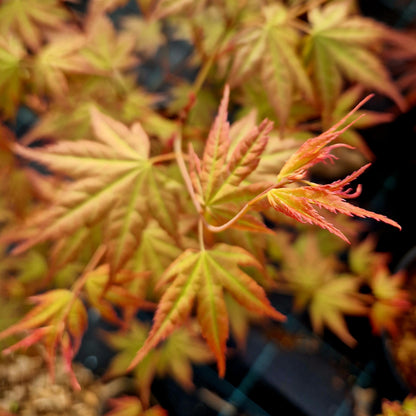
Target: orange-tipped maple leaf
[[58, 319], [201, 277], [301, 202], [218, 178]]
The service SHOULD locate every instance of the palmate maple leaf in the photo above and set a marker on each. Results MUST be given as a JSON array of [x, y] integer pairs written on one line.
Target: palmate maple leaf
[[201, 278], [61, 56], [107, 50], [12, 53], [218, 177], [390, 300], [317, 286], [59, 318], [30, 18], [110, 177], [174, 357], [340, 46], [301, 200], [269, 45]]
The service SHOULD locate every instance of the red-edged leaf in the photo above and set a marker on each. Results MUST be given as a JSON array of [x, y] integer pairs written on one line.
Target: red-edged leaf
[[315, 149], [243, 160], [299, 203], [201, 277], [58, 319], [216, 149]]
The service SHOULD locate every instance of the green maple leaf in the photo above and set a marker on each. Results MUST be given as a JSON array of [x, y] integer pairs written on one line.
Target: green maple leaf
[[201, 277], [30, 18], [111, 175], [12, 73], [104, 294], [269, 45], [156, 251], [391, 300], [58, 58], [316, 285], [148, 34], [135, 105], [339, 47], [363, 260], [174, 357], [108, 51]]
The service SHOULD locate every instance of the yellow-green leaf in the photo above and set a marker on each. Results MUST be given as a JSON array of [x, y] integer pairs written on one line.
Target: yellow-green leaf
[[201, 277]]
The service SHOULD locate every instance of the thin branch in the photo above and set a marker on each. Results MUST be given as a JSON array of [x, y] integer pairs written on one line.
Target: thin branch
[[201, 233], [242, 212], [162, 158], [246, 207]]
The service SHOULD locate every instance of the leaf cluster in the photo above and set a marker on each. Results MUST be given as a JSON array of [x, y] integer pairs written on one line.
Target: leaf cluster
[[126, 196]]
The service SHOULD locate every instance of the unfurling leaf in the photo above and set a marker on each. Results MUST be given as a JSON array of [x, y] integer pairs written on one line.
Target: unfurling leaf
[[301, 202], [316, 149], [201, 277]]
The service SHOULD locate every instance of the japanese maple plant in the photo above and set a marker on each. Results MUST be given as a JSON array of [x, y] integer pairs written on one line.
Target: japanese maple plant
[[170, 198]]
